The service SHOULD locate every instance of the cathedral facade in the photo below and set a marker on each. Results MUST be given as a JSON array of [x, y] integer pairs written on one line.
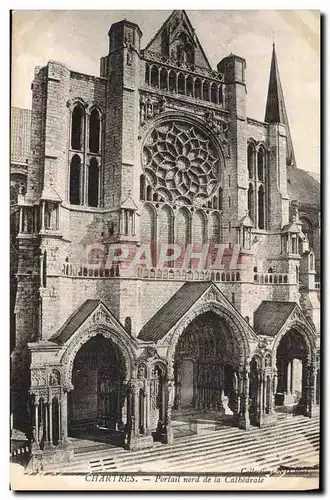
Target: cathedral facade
[[164, 263]]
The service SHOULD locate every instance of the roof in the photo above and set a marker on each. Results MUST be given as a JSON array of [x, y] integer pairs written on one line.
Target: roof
[[275, 106], [173, 310], [50, 194], [246, 220], [129, 204], [271, 316], [77, 319], [156, 44], [302, 187], [20, 134]]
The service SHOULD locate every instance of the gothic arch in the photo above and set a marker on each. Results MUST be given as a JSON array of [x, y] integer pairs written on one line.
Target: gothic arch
[[307, 334], [81, 337], [234, 325], [71, 103]]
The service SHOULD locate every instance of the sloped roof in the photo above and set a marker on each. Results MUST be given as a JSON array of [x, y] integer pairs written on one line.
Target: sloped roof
[[50, 194], [129, 204], [271, 316], [156, 44], [20, 134], [173, 310], [302, 187], [275, 106], [77, 319]]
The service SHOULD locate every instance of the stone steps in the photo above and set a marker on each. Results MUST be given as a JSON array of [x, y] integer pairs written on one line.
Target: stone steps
[[221, 451], [259, 448]]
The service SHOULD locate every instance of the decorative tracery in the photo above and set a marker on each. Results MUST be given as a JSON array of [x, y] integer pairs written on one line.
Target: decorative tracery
[[181, 163]]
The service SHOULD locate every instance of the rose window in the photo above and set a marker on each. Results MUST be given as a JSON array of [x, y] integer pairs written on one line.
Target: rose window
[[181, 163]]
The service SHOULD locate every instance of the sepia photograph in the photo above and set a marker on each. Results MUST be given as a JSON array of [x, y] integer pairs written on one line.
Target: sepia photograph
[[165, 262]]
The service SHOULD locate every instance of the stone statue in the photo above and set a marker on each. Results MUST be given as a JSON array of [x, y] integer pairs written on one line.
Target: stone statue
[[54, 378], [141, 372], [171, 390]]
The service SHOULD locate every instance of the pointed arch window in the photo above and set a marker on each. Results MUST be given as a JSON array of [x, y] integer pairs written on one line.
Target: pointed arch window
[[181, 84], [142, 187], [84, 169], [75, 180], [261, 207], [206, 88], [220, 94], [77, 127], [214, 93], [250, 161], [94, 131], [93, 183], [261, 164], [172, 81], [251, 202], [154, 76], [198, 88], [190, 86], [163, 79]]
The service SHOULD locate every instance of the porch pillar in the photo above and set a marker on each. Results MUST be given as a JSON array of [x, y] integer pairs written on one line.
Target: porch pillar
[[137, 441], [289, 378], [168, 416], [64, 417], [50, 408], [35, 442], [243, 417], [310, 390], [275, 380]]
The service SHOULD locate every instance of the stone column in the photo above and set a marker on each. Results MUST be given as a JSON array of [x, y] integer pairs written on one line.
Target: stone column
[[43, 215], [243, 417], [168, 417], [50, 408], [310, 390], [47, 426], [35, 442], [274, 387], [146, 406], [64, 417]]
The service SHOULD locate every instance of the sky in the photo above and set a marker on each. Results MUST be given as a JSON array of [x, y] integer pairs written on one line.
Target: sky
[[79, 39]]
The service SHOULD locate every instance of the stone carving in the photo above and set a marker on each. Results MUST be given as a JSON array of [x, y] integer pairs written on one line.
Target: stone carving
[[268, 361], [38, 377], [225, 404], [150, 108], [129, 57], [54, 377], [211, 295], [100, 316], [171, 392], [181, 163], [141, 371]]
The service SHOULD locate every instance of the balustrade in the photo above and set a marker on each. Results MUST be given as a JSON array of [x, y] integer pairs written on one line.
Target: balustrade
[[271, 278], [180, 82]]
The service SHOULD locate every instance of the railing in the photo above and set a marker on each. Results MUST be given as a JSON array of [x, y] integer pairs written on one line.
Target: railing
[[72, 270], [91, 272], [170, 273], [155, 57], [179, 81], [187, 275], [271, 278]]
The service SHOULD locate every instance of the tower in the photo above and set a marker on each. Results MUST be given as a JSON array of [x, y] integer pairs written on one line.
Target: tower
[[280, 149], [121, 180]]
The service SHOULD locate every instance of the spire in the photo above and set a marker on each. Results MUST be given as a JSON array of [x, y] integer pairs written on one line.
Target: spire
[[275, 107]]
